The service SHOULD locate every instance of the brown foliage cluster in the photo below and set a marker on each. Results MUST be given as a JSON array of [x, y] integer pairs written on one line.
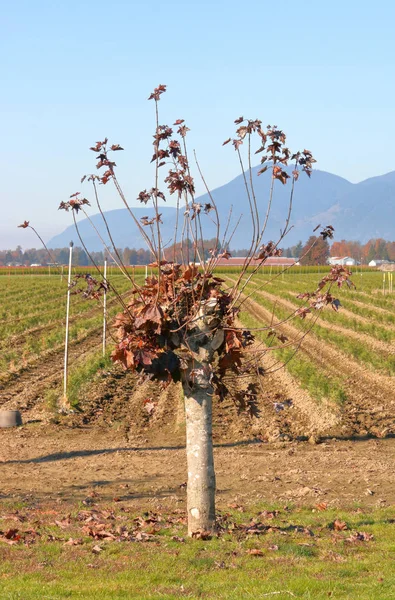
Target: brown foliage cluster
[[156, 328], [183, 312], [319, 299], [273, 149]]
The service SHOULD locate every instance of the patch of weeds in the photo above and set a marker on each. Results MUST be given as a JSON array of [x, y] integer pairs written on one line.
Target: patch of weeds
[[51, 398], [79, 377], [301, 550]]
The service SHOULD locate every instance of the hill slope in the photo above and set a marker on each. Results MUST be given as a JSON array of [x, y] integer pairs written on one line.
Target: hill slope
[[357, 211]]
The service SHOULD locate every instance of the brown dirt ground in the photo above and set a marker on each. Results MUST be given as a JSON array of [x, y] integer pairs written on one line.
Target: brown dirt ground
[[117, 448]]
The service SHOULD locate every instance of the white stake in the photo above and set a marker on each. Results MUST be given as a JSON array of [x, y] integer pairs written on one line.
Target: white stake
[[66, 345], [146, 271], [105, 308]]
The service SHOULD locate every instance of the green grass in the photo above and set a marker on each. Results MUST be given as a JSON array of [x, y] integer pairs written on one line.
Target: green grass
[[303, 558], [80, 377], [83, 374]]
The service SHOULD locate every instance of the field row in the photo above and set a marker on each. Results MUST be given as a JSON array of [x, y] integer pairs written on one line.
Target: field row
[[347, 359], [33, 315]]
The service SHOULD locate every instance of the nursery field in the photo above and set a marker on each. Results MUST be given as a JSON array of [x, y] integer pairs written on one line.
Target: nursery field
[[338, 379], [305, 488]]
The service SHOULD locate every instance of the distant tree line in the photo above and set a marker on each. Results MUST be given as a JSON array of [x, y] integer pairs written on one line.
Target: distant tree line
[[374, 249], [130, 256], [316, 251]]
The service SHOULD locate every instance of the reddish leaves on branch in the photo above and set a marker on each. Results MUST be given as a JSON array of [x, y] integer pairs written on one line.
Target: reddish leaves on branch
[[157, 92], [145, 221], [276, 152], [74, 203], [182, 312], [156, 328], [24, 224], [179, 182], [327, 232], [268, 250], [145, 196], [318, 299]]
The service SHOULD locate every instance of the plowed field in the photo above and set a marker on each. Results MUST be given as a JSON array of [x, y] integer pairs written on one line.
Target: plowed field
[[324, 425]]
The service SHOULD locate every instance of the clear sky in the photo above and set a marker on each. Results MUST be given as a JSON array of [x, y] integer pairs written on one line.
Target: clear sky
[[74, 72]]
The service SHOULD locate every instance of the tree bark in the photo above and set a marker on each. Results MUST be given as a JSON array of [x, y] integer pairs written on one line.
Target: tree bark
[[198, 396], [200, 459]]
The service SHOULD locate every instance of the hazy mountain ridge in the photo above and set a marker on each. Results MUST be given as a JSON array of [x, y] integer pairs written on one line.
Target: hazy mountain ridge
[[357, 211]]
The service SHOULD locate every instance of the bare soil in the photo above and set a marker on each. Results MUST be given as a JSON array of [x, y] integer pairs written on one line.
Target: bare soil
[[128, 442]]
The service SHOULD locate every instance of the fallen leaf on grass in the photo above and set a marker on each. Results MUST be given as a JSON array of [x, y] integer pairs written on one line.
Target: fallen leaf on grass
[[360, 536], [177, 538], [255, 552], [269, 514], [93, 494], [11, 534], [202, 535], [10, 537], [64, 523], [236, 506], [73, 542], [338, 525], [322, 506], [96, 549], [98, 533], [14, 517]]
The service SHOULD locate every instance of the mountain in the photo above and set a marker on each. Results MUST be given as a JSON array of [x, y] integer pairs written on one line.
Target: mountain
[[357, 211]]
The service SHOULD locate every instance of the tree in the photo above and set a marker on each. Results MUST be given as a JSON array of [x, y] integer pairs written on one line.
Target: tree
[[381, 249], [391, 251], [371, 253], [181, 324], [297, 250], [126, 256], [315, 252]]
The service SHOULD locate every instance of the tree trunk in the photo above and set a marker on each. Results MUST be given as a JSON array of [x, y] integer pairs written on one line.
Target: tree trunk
[[200, 460]]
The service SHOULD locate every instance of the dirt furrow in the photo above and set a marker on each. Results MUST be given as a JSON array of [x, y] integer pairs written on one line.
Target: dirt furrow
[[377, 345], [375, 308], [360, 318], [370, 403], [20, 338], [25, 389]]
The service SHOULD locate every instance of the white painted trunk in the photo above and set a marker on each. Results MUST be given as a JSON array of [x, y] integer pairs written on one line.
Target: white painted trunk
[[200, 460]]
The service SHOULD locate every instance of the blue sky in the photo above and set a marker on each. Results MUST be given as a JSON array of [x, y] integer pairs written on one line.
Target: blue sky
[[75, 72]]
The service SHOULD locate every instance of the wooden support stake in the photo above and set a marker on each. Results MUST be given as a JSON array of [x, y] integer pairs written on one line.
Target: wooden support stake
[[66, 344], [105, 307]]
